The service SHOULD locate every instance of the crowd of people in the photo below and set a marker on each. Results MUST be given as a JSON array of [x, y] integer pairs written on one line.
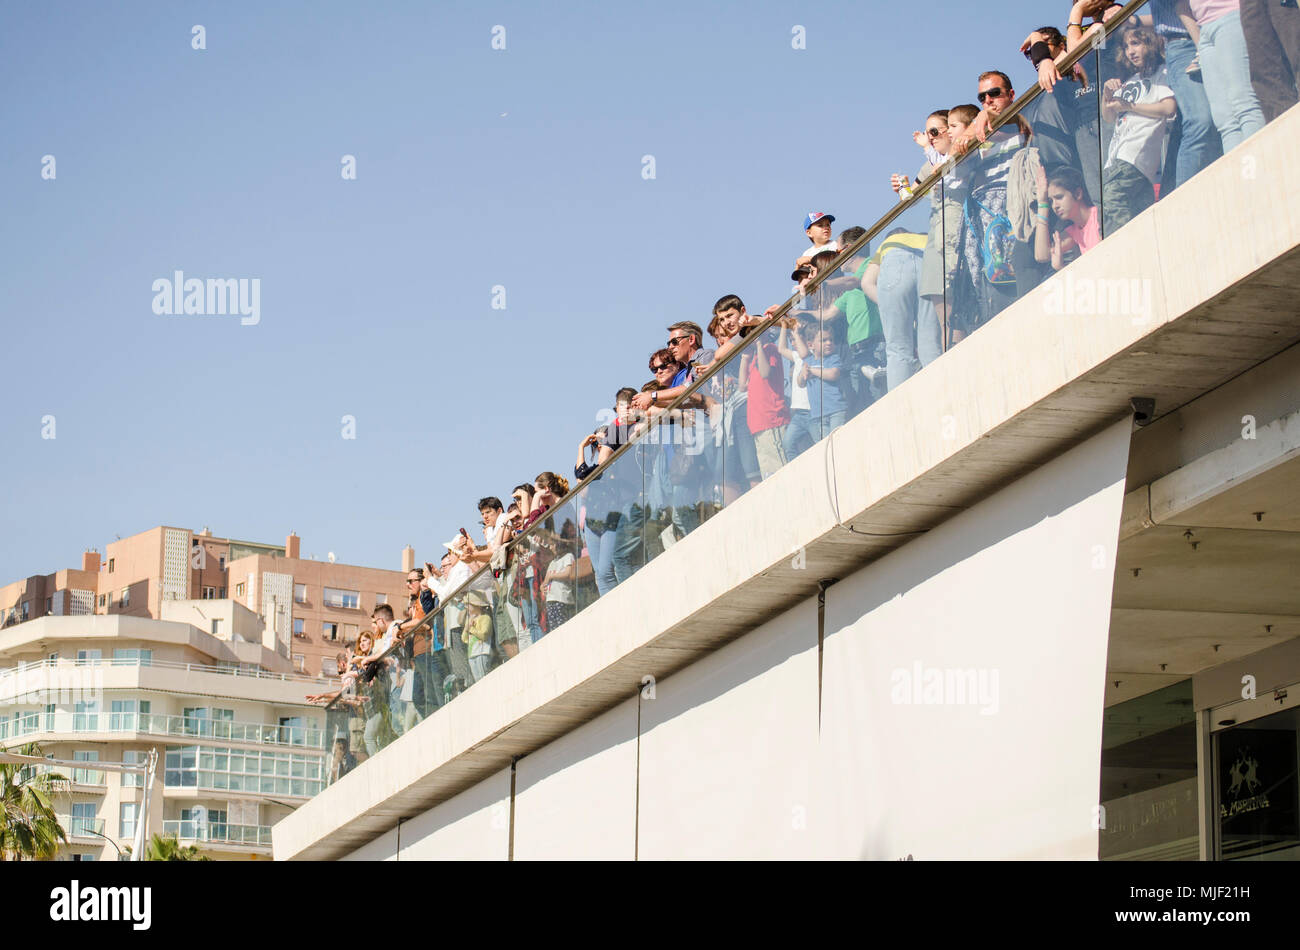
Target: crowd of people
[[1170, 90]]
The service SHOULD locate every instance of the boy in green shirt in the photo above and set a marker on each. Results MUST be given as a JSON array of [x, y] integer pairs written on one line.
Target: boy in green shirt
[[864, 355]]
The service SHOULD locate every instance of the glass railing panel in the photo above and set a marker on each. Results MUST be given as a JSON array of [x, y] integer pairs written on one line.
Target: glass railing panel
[[614, 506], [752, 413], [79, 827], [374, 693], [1137, 113]]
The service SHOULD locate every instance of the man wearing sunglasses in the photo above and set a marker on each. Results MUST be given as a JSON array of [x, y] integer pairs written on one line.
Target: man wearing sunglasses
[[682, 467]]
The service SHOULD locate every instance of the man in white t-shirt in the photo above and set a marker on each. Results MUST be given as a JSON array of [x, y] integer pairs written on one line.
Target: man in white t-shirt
[[1141, 108]]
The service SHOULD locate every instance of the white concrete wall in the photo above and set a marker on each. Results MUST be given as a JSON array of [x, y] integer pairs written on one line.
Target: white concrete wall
[[1018, 590], [732, 760], [576, 797], [474, 826], [728, 747]]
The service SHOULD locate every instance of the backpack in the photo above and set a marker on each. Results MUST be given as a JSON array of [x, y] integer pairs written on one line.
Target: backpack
[[996, 247]]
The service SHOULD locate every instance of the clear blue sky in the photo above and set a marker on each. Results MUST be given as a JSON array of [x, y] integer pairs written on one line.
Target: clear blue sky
[[475, 167]]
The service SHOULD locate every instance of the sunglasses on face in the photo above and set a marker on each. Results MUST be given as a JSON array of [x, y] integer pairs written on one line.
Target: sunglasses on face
[[661, 368], [412, 580], [935, 132], [674, 340], [997, 92]]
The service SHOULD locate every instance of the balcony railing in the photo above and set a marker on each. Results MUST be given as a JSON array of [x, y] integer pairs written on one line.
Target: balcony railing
[[306, 737], [79, 827], [219, 833], [232, 669]]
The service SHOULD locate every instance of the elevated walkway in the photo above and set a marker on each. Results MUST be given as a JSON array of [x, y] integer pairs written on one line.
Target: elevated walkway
[[1219, 259]]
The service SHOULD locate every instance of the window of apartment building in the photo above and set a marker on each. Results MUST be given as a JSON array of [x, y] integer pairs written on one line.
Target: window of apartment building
[[221, 562], [129, 812], [209, 593], [328, 666], [204, 721], [49, 717], [27, 609], [83, 857], [131, 656], [125, 599], [293, 729], [128, 715], [216, 627], [240, 588], [85, 717], [110, 565], [349, 632], [299, 627], [89, 657], [346, 599], [49, 605], [330, 629], [238, 770], [110, 598], [211, 816], [101, 600], [381, 599], [300, 662], [83, 775], [300, 593], [81, 819], [134, 757]]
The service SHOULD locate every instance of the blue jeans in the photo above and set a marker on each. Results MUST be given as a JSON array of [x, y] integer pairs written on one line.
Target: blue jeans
[[628, 556], [1225, 67], [832, 420], [1198, 140], [600, 548], [531, 618], [912, 334], [799, 435]]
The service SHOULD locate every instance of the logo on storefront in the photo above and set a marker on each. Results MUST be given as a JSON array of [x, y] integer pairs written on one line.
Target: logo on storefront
[[1244, 787]]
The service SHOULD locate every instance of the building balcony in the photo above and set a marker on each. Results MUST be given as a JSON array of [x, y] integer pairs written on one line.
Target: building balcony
[[252, 837], [42, 727], [82, 829]]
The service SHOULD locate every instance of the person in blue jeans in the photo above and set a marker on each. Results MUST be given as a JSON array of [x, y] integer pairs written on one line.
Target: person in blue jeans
[[821, 373], [1194, 142], [686, 441], [1225, 68], [913, 336]]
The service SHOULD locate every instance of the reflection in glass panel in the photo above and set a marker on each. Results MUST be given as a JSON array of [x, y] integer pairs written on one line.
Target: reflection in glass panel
[[1148, 777]]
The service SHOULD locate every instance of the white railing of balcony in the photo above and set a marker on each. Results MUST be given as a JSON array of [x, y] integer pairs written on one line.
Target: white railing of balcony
[[219, 832], [225, 670], [307, 737]]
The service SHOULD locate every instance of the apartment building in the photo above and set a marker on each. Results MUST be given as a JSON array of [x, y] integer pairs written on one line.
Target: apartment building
[[204, 686], [311, 607]]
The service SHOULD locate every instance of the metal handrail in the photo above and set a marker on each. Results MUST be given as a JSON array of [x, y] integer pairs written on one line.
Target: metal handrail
[[921, 191]]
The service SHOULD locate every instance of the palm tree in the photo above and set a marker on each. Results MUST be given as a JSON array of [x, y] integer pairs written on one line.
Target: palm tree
[[168, 848], [29, 828]]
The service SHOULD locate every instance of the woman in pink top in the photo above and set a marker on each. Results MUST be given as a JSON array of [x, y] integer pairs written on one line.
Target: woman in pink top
[[1069, 201], [1225, 70]]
